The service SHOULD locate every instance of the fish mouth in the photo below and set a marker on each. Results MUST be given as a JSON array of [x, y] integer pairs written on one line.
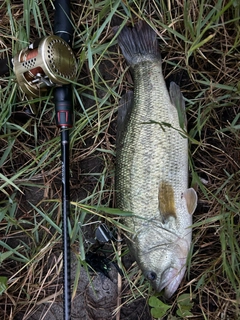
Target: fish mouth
[[174, 284], [169, 282]]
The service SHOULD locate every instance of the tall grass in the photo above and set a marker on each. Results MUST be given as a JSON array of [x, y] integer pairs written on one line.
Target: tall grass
[[199, 42]]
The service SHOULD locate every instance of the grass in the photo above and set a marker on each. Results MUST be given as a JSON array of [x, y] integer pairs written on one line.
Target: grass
[[199, 42]]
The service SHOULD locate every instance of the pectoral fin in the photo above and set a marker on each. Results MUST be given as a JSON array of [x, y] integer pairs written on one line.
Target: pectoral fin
[[191, 198], [166, 201]]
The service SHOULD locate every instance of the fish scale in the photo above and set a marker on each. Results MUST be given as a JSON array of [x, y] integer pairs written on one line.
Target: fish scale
[[146, 147], [152, 166]]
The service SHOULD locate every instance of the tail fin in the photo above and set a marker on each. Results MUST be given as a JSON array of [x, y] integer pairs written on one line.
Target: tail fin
[[139, 43]]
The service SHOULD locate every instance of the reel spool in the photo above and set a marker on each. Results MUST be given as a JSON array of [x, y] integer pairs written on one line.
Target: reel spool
[[48, 62]]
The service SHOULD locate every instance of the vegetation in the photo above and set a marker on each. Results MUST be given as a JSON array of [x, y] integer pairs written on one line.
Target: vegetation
[[200, 43]]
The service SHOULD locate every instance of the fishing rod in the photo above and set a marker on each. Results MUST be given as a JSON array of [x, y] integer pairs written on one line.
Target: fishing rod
[[64, 119], [50, 62]]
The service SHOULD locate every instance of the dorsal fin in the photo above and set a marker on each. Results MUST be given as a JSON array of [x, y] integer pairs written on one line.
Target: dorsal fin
[[178, 101], [124, 111]]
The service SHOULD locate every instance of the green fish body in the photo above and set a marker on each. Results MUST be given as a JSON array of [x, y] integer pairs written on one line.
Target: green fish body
[[152, 165]]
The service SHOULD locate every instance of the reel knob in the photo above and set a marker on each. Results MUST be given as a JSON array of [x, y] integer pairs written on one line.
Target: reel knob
[[48, 62]]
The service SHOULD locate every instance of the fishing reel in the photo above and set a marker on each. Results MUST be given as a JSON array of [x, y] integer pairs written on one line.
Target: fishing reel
[[47, 62]]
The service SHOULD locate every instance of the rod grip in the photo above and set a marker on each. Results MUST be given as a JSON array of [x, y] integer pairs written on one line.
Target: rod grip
[[62, 20]]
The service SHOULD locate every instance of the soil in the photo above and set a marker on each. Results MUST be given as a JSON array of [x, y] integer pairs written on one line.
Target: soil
[[96, 295]]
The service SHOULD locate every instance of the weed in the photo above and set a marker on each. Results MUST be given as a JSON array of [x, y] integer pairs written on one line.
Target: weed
[[199, 43]]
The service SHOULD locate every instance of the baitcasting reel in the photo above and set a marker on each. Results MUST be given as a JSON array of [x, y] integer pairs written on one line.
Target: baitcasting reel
[[48, 62]]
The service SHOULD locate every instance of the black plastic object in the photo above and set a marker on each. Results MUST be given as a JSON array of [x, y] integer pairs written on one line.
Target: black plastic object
[[5, 66], [103, 234], [63, 106]]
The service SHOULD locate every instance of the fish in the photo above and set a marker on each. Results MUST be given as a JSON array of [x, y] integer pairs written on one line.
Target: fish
[[151, 173]]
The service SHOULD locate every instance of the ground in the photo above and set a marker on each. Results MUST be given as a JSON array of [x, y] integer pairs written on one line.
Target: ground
[[199, 43]]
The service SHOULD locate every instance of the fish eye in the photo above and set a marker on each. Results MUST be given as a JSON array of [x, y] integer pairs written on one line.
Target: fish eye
[[151, 275]]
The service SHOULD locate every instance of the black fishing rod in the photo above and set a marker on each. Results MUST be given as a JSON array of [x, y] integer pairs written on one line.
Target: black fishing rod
[[64, 119], [50, 62]]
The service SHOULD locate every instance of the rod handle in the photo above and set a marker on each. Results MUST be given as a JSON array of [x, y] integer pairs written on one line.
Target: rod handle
[[62, 20]]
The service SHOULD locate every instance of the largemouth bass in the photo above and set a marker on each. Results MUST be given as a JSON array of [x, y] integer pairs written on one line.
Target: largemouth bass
[[152, 165]]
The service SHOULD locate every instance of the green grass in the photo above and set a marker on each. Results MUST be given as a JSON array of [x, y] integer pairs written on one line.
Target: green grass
[[199, 42]]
